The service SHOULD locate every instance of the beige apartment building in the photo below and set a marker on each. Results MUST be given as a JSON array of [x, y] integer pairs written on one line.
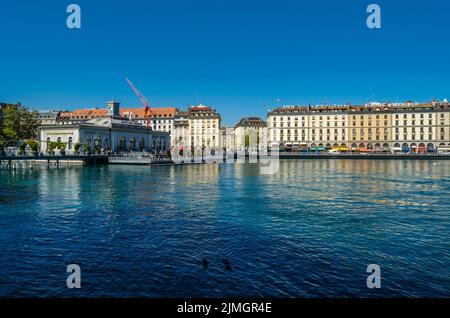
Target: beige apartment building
[[373, 127], [199, 126], [297, 127], [328, 128], [288, 126], [370, 128], [180, 132], [414, 128], [443, 127]]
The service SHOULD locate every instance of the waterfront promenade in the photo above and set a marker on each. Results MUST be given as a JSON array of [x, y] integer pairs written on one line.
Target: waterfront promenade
[[365, 156], [10, 162]]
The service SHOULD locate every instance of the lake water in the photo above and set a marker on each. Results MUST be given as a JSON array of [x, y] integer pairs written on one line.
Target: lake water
[[309, 230]]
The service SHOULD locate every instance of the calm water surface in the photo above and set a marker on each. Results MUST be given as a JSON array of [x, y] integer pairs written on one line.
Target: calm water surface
[[308, 231]]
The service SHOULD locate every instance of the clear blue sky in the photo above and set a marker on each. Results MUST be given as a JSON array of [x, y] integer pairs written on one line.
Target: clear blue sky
[[235, 55]]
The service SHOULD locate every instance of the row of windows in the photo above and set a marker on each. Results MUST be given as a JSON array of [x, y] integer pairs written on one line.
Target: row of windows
[[362, 117], [412, 115], [397, 126], [413, 137]]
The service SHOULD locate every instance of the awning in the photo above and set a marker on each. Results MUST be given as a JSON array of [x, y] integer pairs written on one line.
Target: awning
[[397, 148]]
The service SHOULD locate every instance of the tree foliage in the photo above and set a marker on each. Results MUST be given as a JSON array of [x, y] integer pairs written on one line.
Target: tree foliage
[[18, 123]]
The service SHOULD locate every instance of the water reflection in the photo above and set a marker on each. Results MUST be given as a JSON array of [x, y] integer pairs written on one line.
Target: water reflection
[[307, 231]]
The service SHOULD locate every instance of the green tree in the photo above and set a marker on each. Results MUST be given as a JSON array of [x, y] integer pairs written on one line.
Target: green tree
[[87, 148], [29, 124], [33, 144], [10, 123], [18, 123], [77, 148], [2, 148]]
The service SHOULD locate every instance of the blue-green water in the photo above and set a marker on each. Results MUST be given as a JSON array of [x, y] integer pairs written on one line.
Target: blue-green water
[[308, 231]]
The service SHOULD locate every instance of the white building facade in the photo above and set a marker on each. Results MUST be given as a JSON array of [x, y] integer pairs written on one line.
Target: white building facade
[[198, 127], [104, 134], [250, 133]]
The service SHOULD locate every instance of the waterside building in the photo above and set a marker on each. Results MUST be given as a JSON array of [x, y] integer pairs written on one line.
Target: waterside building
[[373, 127], [109, 133]]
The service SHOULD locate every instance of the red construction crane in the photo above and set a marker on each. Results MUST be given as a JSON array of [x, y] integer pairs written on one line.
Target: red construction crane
[[143, 100]]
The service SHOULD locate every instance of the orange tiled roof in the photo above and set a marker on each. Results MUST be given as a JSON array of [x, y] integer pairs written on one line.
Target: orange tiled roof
[[125, 112], [153, 112], [84, 113]]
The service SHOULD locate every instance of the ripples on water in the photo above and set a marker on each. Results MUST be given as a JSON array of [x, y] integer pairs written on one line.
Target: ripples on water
[[308, 231]]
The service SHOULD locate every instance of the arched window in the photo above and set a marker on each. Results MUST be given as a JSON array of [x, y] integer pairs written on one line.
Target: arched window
[[142, 144], [48, 142], [132, 143], [97, 141], [59, 139], [106, 142], [70, 143], [122, 143]]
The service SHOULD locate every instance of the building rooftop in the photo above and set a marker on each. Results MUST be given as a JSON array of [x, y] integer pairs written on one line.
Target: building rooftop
[[85, 114], [202, 111], [251, 122], [368, 107]]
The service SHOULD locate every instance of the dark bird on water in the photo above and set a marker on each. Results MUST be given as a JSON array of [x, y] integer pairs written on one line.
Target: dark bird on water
[[205, 263], [227, 264]]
